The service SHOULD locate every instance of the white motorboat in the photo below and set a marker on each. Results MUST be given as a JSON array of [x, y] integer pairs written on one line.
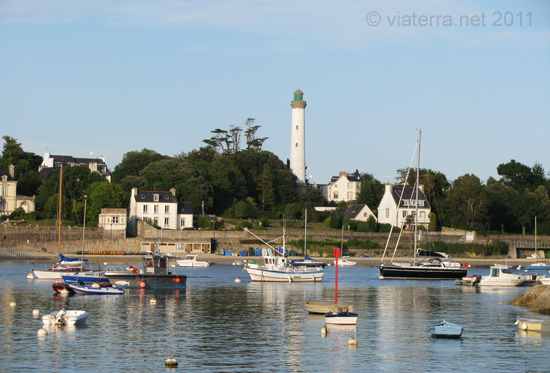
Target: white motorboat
[[62, 317], [276, 268], [501, 275], [545, 281], [345, 262], [191, 261]]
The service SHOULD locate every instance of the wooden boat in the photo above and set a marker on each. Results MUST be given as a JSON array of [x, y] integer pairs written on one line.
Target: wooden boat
[[191, 261], [96, 288], [322, 308], [336, 316], [445, 329], [62, 317], [534, 325], [155, 273]]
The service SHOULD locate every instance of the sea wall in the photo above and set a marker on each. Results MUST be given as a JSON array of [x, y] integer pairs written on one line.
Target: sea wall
[[537, 299]]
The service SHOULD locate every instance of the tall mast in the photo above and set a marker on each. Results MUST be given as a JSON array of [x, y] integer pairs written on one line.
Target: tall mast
[[59, 211], [417, 187], [305, 234]]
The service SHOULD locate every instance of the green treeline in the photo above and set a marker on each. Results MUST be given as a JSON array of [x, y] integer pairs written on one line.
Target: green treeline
[[235, 178]]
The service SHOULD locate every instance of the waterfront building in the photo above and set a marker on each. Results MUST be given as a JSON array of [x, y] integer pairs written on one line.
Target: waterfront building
[[391, 211], [9, 199], [344, 187]]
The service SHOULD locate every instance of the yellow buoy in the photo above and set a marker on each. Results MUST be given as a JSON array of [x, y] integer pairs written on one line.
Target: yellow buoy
[[12, 303], [35, 312], [324, 331], [153, 301], [352, 342], [30, 276], [42, 332], [237, 280], [171, 363]]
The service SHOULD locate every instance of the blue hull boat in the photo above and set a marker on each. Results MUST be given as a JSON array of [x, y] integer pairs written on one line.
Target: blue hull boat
[[96, 289], [445, 329], [85, 278]]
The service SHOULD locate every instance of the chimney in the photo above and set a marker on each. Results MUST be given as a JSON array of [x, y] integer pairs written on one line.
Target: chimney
[[173, 191], [12, 171]]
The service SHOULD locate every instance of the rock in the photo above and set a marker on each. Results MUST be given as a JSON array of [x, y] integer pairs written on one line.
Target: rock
[[537, 299]]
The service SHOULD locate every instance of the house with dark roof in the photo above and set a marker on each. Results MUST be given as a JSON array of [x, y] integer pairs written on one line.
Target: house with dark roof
[[161, 207], [51, 162], [360, 212], [399, 202], [344, 187], [9, 199]]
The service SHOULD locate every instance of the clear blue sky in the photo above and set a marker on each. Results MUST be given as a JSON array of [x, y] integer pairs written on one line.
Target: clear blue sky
[[108, 77]]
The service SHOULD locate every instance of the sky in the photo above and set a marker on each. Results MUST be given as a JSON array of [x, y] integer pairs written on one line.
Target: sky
[[107, 77]]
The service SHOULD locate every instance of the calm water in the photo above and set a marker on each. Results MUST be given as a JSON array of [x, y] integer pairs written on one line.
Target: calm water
[[221, 326]]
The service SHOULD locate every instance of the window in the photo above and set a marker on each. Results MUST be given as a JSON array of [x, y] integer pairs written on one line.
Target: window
[[166, 222], [156, 221], [349, 185], [404, 214], [335, 195], [115, 219], [387, 213], [182, 222], [155, 197], [420, 203], [166, 209], [296, 127], [4, 191], [350, 196], [156, 209], [405, 203], [422, 215], [145, 209], [296, 144]]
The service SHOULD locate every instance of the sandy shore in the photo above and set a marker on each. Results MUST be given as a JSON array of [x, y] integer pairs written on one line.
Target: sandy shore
[[7, 256]]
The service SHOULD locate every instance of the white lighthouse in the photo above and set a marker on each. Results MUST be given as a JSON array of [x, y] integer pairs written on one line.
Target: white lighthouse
[[298, 141]]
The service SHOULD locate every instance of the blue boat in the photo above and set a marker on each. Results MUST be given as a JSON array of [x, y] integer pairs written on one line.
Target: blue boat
[[542, 265], [96, 288], [85, 278], [445, 329]]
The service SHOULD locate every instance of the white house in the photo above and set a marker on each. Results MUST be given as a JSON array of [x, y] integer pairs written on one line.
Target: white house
[[359, 212], [344, 187], [394, 212], [51, 162], [113, 220], [161, 207], [9, 199]]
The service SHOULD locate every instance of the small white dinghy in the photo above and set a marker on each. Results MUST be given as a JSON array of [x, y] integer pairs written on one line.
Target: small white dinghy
[[62, 317]]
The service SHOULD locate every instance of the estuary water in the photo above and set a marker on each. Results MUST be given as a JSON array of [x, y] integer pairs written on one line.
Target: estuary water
[[218, 325]]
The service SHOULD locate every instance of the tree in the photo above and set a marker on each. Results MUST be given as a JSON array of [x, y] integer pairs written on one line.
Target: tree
[[468, 201], [28, 183], [252, 142], [227, 182], [520, 176], [190, 185], [371, 224], [13, 154], [135, 161], [132, 181], [371, 192], [313, 196], [104, 195], [265, 186]]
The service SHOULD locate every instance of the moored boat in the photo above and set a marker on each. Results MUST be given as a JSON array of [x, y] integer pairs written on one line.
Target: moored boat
[[323, 308], [68, 317], [501, 276], [445, 329], [96, 288], [337, 316], [191, 261], [155, 273], [533, 325], [344, 262]]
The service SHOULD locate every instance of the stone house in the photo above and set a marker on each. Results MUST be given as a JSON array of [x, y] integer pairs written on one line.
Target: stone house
[[9, 199], [344, 187]]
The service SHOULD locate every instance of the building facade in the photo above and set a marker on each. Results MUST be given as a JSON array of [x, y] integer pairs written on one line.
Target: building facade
[[360, 212], [9, 199], [113, 220], [398, 206], [344, 187], [161, 208], [51, 162]]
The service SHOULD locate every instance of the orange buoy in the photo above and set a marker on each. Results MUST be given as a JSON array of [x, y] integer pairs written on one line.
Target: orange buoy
[[142, 284], [177, 279]]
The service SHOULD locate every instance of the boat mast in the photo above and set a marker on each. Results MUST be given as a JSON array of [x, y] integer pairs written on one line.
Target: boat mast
[[417, 187], [59, 211], [305, 234]]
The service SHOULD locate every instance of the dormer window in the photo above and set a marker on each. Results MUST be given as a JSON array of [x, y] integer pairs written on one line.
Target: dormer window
[[4, 177], [167, 197], [155, 197], [143, 196]]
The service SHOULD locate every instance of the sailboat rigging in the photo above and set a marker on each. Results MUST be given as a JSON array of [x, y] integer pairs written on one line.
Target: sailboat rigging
[[440, 266]]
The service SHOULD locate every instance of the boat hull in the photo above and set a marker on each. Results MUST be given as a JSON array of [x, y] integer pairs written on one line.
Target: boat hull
[[265, 275], [147, 281], [533, 325], [341, 318], [85, 277], [446, 329], [197, 264], [100, 290], [421, 273], [69, 318]]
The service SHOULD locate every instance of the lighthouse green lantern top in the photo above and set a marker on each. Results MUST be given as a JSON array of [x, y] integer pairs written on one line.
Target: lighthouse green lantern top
[[298, 95]]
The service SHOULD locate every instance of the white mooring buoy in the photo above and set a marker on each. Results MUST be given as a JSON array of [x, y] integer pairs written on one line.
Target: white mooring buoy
[[324, 331], [153, 301], [171, 363], [352, 342], [12, 303], [238, 280], [35, 312], [30, 276], [42, 332]]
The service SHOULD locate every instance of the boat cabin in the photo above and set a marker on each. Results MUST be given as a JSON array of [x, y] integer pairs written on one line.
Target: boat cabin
[[154, 263], [496, 271]]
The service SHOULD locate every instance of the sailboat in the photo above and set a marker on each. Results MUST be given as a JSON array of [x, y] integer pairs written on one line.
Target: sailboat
[[65, 265], [307, 261], [435, 268], [337, 316]]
